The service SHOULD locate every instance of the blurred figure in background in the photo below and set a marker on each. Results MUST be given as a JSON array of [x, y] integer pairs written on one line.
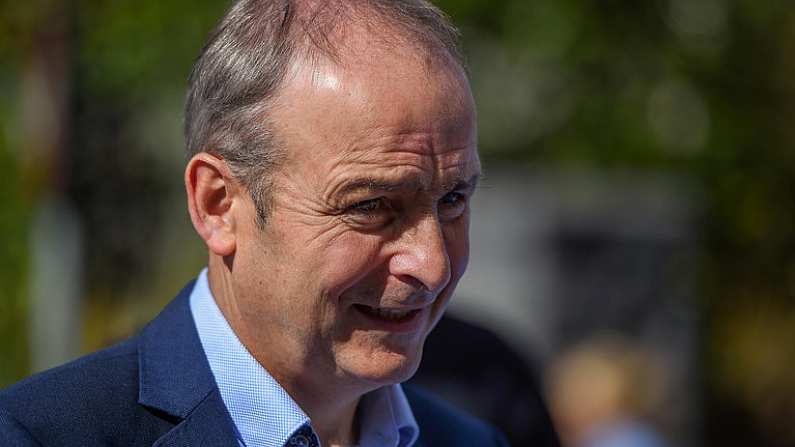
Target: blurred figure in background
[[603, 393], [487, 378]]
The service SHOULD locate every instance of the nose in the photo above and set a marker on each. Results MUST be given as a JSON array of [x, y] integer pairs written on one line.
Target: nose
[[421, 256]]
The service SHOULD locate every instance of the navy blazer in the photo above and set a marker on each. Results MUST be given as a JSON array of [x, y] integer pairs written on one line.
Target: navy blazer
[[157, 389]]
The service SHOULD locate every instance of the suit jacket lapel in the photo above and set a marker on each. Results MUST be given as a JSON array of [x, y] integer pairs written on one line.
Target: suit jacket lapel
[[206, 425], [175, 378]]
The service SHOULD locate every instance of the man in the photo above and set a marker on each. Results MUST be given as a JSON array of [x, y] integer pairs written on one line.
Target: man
[[332, 158]]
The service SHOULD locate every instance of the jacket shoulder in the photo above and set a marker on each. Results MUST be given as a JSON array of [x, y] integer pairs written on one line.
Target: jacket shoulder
[[94, 397], [443, 424], [109, 368]]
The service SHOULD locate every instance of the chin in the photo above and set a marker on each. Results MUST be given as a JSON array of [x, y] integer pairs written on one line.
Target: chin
[[382, 367]]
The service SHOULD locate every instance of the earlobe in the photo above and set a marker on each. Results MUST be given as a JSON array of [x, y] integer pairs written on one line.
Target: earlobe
[[209, 186]]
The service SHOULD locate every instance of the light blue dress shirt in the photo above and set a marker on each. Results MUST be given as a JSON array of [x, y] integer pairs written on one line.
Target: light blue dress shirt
[[262, 411]]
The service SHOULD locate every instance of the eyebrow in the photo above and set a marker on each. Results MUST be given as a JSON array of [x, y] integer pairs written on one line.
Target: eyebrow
[[373, 185]]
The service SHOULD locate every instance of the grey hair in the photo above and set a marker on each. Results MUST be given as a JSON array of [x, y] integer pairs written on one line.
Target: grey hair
[[245, 60]]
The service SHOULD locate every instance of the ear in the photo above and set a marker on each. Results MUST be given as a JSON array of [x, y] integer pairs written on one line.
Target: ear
[[212, 191]]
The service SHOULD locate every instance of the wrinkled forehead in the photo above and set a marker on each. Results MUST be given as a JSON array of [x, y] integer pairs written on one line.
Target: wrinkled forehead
[[373, 97], [378, 87], [361, 49]]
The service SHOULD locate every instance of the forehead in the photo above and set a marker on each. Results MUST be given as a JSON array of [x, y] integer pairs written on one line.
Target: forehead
[[378, 106]]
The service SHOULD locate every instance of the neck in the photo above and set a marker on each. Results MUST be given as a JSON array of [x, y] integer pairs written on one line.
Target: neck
[[332, 411], [330, 406], [334, 422]]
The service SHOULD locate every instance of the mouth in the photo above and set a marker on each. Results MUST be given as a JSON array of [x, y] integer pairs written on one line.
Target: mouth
[[393, 320]]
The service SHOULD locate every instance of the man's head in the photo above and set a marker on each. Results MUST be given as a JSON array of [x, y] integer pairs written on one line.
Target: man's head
[[332, 188]]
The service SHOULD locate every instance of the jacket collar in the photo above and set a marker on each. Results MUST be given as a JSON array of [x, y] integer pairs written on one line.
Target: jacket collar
[[175, 378], [174, 374]]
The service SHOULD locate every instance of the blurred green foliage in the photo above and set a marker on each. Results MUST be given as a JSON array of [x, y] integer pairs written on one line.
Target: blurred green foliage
[[14, 217], [15, 209], [701, 89]]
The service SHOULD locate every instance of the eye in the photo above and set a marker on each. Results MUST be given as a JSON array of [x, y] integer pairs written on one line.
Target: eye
[[368, 206], [453, 198], [371, 212], [452, 205]]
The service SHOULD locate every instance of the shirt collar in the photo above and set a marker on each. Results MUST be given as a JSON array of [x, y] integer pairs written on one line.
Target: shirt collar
[[263, 413], [386, 419]]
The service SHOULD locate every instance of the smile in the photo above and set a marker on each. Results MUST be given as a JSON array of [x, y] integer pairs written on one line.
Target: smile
[[394, 320]]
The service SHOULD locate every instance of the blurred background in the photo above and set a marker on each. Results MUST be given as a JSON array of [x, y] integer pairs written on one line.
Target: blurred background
[[633, 243]]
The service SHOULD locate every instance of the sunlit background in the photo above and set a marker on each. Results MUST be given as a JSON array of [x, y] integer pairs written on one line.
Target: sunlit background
[[633, 242]]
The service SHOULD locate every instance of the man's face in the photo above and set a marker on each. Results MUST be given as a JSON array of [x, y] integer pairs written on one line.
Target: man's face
[[368, 230]]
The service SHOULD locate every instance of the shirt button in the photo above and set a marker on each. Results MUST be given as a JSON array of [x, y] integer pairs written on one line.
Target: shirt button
[[299, 441]]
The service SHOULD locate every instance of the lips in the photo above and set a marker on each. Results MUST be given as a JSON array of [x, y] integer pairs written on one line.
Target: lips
[[390, 319]]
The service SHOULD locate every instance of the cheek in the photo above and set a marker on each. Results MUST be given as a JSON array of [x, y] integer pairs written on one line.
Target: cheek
[[350, 259]]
